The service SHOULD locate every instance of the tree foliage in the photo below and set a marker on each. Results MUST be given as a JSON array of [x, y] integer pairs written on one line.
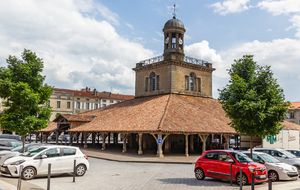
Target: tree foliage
[[24, 95], [253, 100]]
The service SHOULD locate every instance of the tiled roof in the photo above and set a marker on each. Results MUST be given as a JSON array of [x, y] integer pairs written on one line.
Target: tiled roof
[[166, 113], [72, 117], [291, 125], [108, 95], [295, 105], [77, 92], [51, 126]]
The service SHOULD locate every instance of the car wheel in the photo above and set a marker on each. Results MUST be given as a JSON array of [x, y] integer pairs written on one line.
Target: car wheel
[[199, 174], [298, 167], [244, 179], [80, 170], [28, 173], [273, 176]]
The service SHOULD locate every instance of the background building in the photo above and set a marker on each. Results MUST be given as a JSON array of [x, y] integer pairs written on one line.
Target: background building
[[66, 101], [294, 115]]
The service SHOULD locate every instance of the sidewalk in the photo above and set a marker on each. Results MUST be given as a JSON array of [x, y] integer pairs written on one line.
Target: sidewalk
[[7, 183]]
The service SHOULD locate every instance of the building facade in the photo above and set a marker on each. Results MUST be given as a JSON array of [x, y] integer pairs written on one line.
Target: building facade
[[66, 101], [294, 115]]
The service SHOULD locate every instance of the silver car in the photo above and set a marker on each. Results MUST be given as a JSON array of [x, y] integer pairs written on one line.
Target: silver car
[[281, 155], [276, 169]]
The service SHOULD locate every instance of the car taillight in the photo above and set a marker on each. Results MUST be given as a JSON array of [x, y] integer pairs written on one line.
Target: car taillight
[[85, 157]]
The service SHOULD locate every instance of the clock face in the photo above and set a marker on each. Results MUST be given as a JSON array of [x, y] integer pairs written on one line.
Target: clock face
[[167, 40], [180, 41]]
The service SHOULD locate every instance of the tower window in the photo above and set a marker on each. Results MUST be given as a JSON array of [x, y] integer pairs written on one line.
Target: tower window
[[153, 81], [192, 82], [173, 40]]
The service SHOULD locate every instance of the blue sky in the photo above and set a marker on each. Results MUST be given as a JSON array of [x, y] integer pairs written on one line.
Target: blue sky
[[96, 43]]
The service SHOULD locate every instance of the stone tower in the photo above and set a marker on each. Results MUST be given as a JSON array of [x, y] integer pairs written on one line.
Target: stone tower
[[173, 72]]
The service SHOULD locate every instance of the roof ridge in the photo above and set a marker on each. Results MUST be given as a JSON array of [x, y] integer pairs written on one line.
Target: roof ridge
[[165, 112]]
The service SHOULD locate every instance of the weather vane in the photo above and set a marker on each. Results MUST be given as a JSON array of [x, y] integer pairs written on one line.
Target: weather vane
[[174, 14]]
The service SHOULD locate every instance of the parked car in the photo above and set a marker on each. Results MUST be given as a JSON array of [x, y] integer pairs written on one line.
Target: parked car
[[64, 138], [5, 154], [9, 136], [8, 144], [282, 155], [217, 163], [295, 152], [35, 162], [276, 169], [33, 137]]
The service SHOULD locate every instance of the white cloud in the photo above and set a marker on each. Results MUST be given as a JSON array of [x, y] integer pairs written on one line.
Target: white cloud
[[202, 51], [287, 7], [269, 30], [281, 54], [281, 6], [230, 6], [129, 25], [77, 49]]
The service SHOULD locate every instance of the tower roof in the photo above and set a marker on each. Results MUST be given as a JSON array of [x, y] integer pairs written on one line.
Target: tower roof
[[174, 23]]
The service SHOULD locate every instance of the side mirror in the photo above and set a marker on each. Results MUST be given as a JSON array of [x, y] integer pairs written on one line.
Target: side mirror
[[261, 161], [44, 156], [284, 156]]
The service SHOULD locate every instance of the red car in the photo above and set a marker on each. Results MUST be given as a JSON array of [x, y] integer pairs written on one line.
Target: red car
[[216, 164]]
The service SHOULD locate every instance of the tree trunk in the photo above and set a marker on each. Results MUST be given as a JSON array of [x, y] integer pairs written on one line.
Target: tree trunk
[[23, 139], [251, 146]]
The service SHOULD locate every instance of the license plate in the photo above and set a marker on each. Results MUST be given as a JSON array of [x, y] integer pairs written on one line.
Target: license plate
[[2, 169], [262, 176]]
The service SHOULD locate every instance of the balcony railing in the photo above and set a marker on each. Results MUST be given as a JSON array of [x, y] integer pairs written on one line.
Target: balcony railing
[[161, 58]]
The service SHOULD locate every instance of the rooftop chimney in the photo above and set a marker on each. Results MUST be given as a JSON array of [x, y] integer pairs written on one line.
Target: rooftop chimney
[[86, 88], [95, 92]]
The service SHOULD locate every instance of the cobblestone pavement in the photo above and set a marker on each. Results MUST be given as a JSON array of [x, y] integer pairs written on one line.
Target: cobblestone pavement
[[136, 176]]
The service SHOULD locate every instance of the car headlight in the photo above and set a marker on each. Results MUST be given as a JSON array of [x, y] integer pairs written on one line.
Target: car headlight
[[17, 162], [251, 168]]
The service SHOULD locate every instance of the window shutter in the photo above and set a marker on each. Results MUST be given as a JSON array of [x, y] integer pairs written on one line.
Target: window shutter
[[93, 106], [84, 105], [75, 105], [80, 105], [90, 106]]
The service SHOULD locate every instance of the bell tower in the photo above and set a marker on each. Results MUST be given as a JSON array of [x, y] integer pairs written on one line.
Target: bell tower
[[173, 72], [173, 39]]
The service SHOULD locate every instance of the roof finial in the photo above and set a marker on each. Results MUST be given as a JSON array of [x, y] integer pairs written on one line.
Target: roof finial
[[174, 14]]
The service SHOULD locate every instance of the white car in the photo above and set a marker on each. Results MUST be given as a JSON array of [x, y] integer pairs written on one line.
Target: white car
[[276, 169], [35, 162]]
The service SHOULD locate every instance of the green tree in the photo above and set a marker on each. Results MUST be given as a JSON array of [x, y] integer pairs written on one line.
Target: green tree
[[253, 100], [24, 95]]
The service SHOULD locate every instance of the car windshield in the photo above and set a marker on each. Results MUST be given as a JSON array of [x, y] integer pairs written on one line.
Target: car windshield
[[33, 152], [288, 154], [269, 158], [19, 148], [15, 144], [240, 157]]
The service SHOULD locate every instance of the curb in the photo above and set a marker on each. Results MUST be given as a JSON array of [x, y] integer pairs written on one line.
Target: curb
[[135, 161]]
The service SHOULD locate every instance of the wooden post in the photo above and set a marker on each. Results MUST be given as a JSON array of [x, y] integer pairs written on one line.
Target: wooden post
[[227, 137], [85, 140], [103, 135], [159, 145], [46, 135], [93, 138], [140, 143], [124, 137], [203, 139], [186, 145]]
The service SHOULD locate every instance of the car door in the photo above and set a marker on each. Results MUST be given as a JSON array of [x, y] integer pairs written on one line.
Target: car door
[[224, 165], [53, 158], [210, 165], [278, 155], [67, 160]]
